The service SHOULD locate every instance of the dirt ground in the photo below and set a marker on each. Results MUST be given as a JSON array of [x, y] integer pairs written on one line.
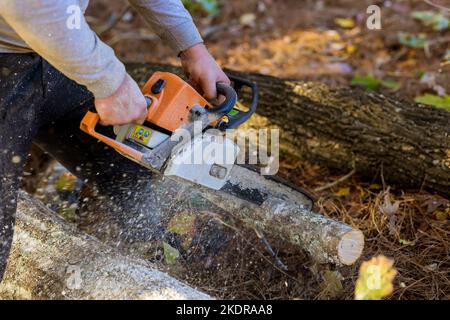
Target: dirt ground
[[302, 39]]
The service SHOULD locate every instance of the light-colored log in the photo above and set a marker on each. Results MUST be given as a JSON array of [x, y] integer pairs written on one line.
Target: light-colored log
[[50, 259], [270, 207]]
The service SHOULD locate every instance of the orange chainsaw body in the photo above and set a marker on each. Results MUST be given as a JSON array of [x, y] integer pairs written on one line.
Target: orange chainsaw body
[[171, 99], [170, 108]]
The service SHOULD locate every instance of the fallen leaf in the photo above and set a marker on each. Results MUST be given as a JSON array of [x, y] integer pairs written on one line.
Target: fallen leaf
[[350, 49], [388, 207], [405, 242], [375, 279], [368, 82], [345, 23], [66, 182], [182, 223], [391, 84], [411, 40], [432, 19], [434, 100], [440, 215], [247, 20], [342, 192], [171, 254], [431, 267]]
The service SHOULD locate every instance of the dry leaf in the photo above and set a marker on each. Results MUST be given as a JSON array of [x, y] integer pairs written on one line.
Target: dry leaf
[[375, 279], [182, 223], [248, 20], [387, 207], [342, 192], [406, 242], [345, 23], [441, 215]]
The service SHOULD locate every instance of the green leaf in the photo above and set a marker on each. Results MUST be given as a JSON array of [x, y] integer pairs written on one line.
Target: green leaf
[[434, 100], [369, 82], [391, 84], [65, 182], [419, 74], [415, 41], [425, 16], [171, 254], [432, 19]]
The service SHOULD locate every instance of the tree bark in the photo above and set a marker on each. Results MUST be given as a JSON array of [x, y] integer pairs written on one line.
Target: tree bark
[[50, 259], [267, 206], [345, 129]]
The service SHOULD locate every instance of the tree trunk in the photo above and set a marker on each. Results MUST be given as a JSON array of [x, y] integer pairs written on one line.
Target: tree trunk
[[345, 129], [267, 206], [51, 260]]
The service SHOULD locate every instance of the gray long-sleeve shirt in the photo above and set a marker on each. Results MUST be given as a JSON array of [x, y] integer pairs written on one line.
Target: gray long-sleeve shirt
[[58, 31]]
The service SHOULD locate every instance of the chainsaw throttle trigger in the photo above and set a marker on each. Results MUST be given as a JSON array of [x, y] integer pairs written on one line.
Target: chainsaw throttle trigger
[[149, 101]]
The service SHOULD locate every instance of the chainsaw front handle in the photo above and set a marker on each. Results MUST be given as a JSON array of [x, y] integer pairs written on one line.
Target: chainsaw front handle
[[235, 119], [230, 99]]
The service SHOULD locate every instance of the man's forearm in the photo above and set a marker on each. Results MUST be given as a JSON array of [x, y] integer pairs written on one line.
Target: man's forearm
[[76, 52], [171, 21]]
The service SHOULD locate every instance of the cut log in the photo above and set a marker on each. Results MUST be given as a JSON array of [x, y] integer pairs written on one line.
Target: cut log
[[51, 260], [265, 205], [345, 129]]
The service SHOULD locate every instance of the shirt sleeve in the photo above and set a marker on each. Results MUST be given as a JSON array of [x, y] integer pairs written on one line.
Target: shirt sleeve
[[58, 31], [170, 20]]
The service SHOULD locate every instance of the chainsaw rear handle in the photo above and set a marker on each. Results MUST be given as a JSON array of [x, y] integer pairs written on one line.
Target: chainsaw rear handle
[[90, 122], [235, 120]]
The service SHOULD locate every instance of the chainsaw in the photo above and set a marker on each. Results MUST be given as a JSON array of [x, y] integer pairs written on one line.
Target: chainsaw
[[172, 105]]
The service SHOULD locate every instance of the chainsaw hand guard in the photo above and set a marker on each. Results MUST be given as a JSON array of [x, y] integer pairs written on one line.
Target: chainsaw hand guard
[[237, 117]]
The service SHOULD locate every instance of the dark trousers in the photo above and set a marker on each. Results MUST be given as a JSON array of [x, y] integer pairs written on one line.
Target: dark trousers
[[40, 105]]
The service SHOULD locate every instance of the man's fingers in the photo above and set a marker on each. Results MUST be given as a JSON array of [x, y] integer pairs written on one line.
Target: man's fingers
[[141, 111], [209, 89], [224, 79], [141, 119]]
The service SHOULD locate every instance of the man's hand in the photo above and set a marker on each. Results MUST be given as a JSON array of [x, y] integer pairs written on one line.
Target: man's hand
[[126, 105], [202, 70]]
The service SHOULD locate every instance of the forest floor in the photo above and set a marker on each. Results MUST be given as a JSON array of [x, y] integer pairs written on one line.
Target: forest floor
[[326, 41]]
